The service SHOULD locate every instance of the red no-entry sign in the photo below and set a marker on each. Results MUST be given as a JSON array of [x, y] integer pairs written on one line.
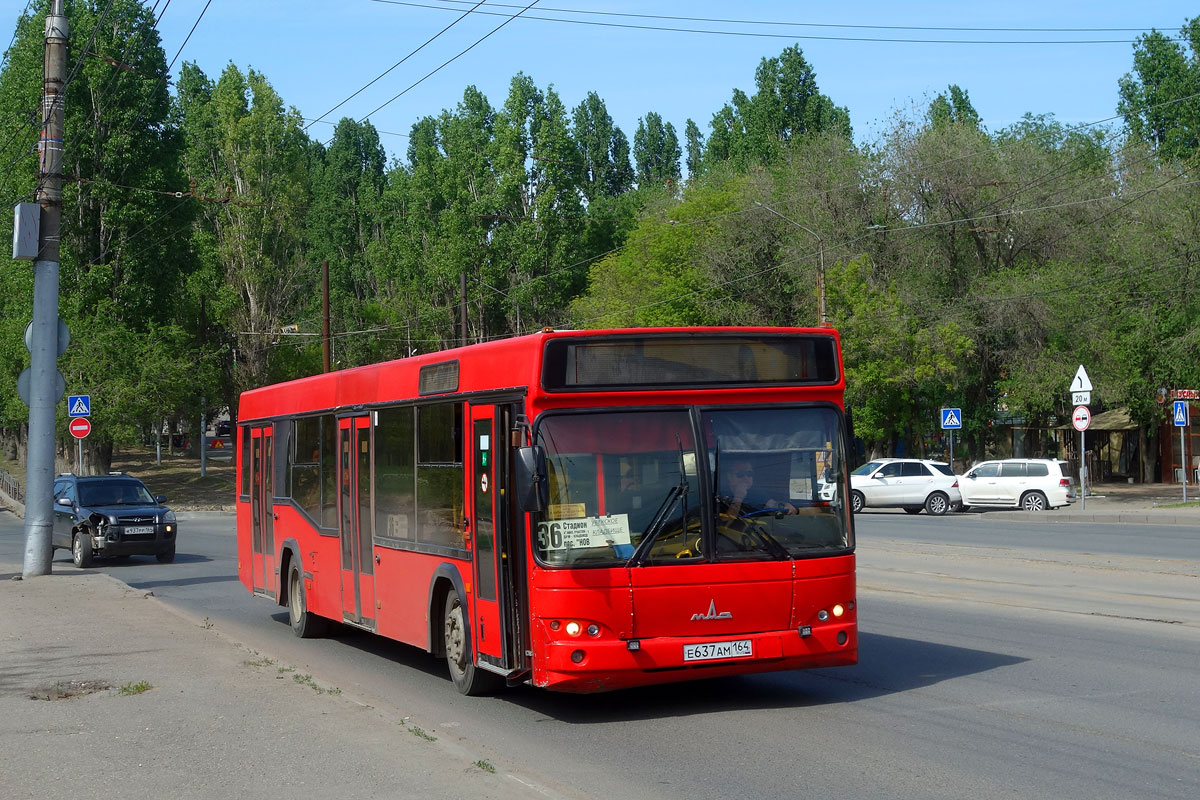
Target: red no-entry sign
[[80, 427]]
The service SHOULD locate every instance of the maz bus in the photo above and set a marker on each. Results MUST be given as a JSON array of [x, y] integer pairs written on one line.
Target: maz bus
[[575, 510]]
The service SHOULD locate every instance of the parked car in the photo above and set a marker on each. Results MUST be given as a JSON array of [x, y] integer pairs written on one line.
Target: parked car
[[111, 515], [909, 483], [1032, 484]]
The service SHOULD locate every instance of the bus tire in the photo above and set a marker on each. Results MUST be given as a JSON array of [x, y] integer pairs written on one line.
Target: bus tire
[[468, 679], [305, 624]]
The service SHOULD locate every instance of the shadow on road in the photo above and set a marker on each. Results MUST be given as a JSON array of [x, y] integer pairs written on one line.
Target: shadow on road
[[888, 665], [153, 584], [403, 655]]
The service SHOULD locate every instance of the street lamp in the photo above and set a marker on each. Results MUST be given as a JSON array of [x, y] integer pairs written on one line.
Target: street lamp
[[821, 261]]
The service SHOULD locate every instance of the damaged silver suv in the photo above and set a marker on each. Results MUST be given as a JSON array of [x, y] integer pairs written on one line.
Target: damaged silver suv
[[111, 515]]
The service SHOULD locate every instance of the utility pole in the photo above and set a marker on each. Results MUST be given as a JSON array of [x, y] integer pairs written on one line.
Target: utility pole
[[822, 320], [44, 334], [462, 306], [325, 313]]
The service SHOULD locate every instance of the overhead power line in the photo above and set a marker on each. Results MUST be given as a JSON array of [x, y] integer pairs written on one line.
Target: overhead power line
[[369, 83], [778, 23], [763, 35], [453, 58]]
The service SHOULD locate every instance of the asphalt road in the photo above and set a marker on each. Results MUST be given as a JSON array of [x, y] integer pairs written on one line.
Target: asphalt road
[[997, 660]]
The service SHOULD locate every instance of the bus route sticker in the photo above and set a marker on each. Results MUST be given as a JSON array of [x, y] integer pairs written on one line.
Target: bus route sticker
[[571, 534]]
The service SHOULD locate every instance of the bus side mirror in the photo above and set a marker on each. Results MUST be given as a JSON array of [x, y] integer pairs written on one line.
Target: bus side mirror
[[529, 468]]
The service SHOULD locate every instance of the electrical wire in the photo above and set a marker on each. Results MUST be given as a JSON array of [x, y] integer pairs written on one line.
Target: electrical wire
[[450, 60], [778, 23], [793, 36], [412, 53]]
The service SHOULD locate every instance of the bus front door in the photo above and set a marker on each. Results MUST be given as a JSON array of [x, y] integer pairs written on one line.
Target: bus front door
[[355, 520], [495, 631], [262, 535]]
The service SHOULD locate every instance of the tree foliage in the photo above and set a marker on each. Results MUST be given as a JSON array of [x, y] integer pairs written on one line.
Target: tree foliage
[[963, 266], [1157, 98]]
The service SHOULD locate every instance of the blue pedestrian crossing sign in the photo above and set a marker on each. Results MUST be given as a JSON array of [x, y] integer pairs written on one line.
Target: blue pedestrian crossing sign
[[79, 405], [951, 419], [1181, 413]]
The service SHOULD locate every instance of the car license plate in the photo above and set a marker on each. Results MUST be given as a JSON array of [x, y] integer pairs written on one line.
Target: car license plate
[[740, 648], [134, 530]]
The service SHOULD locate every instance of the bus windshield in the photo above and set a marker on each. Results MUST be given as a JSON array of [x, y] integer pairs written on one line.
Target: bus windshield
[[626, 487]]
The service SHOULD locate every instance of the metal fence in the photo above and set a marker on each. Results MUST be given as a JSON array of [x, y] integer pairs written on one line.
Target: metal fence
[[12, 487]]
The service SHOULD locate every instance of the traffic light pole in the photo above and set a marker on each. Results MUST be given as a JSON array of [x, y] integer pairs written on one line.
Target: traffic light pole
[[43, 339]]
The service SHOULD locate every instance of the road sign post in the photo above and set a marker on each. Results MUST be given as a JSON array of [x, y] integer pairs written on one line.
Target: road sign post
[[79, 427], [1179, 413], [951, 421], [1081, 395]]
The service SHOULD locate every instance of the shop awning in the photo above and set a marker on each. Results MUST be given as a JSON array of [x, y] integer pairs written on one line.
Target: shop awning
[[1116, 420]]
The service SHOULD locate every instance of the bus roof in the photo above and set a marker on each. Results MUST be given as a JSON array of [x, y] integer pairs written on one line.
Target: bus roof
[[512, 363]]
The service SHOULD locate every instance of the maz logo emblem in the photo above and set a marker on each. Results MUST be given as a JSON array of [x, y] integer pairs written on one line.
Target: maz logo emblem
[[712, 613]]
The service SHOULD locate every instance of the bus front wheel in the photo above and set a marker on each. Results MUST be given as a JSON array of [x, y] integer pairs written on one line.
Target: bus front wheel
[[468, 679]]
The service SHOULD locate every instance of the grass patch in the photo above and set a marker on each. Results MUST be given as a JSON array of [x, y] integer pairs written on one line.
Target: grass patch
[[129, 689], [307, 680], [421, 734], [485, 765], [259, 662]]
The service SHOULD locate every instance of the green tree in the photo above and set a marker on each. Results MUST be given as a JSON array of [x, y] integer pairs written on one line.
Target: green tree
[[953, 106], [694, 146], [1157, 99], [602, 149], [342, 227], [785, 106], [124, 265], [656, 152], [247, 157]]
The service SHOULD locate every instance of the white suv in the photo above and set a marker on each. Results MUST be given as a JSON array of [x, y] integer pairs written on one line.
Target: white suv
[[1032, 484], [908, 483]]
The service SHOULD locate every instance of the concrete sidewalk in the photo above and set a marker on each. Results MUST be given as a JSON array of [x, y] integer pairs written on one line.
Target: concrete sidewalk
[[107, 692], [1118, 503]]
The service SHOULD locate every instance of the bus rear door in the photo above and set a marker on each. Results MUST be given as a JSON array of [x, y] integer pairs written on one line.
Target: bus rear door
[[355, 520], [262, 512]]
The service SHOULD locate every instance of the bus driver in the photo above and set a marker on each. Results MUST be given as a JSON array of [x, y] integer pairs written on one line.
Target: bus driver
[[742, 499]]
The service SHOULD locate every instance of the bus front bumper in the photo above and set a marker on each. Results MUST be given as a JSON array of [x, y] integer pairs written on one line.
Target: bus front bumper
[[597, 665]]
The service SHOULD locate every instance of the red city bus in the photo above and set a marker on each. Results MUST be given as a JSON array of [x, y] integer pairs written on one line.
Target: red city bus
[[575, 510]]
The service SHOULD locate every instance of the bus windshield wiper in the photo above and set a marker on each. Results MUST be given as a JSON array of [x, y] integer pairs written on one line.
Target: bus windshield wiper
[[655, 527], [677, 492]]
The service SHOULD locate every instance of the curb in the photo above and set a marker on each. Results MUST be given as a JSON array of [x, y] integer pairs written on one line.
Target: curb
[[184, 516], [1105, 517]]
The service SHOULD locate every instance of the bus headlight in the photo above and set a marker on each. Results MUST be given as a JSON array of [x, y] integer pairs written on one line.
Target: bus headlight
[[838, 610], [573, 628]]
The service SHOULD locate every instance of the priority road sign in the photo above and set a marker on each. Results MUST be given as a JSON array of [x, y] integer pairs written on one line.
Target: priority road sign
[[79, 405], [1180, 413], [80, 427], [1081, 418], [951, 419]]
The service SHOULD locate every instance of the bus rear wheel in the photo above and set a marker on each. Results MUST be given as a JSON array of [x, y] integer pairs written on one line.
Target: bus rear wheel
[[305, 624], [468, 679]]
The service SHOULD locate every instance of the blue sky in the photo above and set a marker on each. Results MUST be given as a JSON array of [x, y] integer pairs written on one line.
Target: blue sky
[[317, 52]]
